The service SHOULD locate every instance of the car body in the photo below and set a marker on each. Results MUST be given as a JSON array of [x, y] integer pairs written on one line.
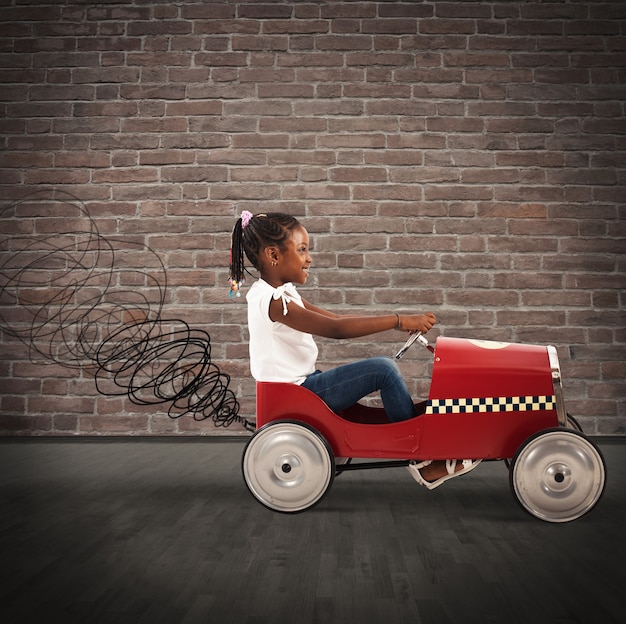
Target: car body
[[487, 400]]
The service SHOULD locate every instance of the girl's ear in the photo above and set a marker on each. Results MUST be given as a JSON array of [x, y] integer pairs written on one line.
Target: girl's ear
[[270, 255]]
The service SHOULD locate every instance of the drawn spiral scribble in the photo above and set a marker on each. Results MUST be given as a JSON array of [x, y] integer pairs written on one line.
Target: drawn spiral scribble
[[82, 299]]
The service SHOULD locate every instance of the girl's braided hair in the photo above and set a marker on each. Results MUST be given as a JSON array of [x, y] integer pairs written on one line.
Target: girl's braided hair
[[252, 234]]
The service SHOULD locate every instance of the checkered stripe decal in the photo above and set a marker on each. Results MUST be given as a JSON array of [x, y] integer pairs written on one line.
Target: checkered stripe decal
[[491, 404]]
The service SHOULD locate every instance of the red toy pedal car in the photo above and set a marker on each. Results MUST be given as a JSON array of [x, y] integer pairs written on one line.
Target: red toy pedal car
[[487, 400]]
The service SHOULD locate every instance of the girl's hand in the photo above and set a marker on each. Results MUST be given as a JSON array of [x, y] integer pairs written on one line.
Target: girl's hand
[[416, 322]]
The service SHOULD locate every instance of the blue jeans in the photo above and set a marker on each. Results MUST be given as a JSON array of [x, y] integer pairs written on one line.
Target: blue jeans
[[343, 386]]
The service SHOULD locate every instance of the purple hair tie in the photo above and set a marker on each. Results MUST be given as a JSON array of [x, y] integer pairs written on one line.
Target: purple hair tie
[[245, 218]]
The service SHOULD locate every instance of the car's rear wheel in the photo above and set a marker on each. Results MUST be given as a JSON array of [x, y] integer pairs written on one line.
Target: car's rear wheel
[[288, 466]]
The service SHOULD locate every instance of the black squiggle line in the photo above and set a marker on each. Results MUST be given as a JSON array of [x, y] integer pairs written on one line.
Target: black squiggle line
[[67, 293]]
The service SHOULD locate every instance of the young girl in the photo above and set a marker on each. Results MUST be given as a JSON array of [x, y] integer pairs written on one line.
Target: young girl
[[282, 325]]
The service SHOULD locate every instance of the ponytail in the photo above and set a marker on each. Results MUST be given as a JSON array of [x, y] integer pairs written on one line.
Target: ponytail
[[236, 276]]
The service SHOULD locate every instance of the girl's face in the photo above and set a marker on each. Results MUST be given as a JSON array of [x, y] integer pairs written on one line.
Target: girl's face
[[294, 261]]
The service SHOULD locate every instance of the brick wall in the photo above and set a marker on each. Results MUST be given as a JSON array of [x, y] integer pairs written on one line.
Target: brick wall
[[462, 157]]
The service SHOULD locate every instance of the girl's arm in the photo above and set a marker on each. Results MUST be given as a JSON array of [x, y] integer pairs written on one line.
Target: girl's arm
[[314, 320], [309, 306]]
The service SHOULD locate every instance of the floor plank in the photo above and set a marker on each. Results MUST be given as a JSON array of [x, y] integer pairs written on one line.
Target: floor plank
[[165, 531]]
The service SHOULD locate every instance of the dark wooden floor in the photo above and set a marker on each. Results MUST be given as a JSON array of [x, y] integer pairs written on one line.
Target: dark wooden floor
[[166, 532]]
